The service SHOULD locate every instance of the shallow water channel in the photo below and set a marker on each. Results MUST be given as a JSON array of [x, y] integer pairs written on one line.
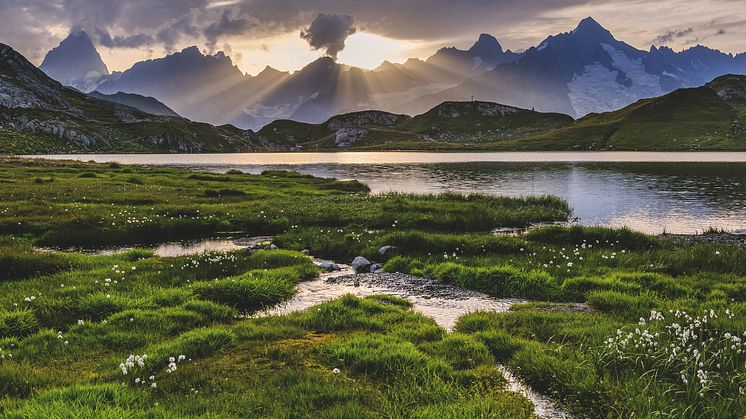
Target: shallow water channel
[[442, 302]]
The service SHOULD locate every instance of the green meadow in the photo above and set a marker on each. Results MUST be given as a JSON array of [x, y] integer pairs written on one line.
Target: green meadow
[[614, 324]]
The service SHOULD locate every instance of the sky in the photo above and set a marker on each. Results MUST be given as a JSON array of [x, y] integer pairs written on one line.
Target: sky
[[288, 34]]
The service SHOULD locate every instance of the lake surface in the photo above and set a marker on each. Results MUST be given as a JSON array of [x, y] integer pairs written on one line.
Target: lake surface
[[650, 192]]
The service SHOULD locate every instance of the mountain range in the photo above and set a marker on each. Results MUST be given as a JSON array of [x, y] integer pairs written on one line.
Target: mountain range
[[146, 104], [40, 115], [579, 72], [710, 117]]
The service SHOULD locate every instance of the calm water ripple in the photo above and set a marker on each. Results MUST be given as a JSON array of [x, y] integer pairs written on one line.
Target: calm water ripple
[[649, 192]]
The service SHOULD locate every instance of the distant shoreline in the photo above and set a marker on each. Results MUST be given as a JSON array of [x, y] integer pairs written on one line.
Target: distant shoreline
[[403, 157]]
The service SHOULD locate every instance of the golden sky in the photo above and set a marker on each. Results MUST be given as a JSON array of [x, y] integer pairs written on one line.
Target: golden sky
[[257, 33]]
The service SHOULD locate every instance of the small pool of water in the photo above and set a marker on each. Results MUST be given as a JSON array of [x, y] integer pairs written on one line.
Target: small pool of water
[[192, 248]]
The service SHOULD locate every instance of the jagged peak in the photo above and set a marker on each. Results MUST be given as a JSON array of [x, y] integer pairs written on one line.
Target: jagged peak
[[486, 41], [76, 44], [699, 48], [590, 28], [446, 50], [663, 49], [589, 23], [78, 34], [386, 65], [412, 61], [320, 62], [192, 50], [270, 71]]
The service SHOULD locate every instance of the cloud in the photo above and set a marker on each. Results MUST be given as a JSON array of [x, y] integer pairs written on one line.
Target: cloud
[[669, 36], [329, 32], [183, 26], [228, 25], [133, 41], [35, 26]]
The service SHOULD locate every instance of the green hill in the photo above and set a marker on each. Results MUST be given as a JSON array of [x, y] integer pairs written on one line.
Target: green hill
[[711, 117], [480, 122], [704, 118], [449, 125]]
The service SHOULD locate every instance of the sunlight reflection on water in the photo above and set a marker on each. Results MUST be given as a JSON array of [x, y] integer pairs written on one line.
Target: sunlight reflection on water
[[649, 192]]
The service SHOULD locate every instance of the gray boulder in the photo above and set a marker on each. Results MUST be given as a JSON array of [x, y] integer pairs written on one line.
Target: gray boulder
[[360, 264], [327, 266], [386, 249]]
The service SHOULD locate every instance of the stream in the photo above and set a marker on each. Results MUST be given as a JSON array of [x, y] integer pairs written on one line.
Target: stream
[[442, 302]]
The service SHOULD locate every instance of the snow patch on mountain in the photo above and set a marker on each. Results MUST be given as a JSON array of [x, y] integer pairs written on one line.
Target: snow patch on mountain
[[598, 88]]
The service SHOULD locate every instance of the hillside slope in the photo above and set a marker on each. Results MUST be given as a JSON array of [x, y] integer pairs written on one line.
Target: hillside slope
[[705, 118], [447, 126], [38, 114], [146, 104]]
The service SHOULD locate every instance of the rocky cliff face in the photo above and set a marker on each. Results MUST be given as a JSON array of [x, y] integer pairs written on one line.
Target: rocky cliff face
[[348, 136], [350, 129], [359, 119], [24, 86], [730, 88]]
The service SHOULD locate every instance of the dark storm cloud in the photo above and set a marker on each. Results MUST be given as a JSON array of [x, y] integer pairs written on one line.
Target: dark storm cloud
[[182, 27], [34, 26], [693, 35], [410, 19], [329, 33], [228, 25], [129, 15], [168, 22], [133, 41], [25, 25]]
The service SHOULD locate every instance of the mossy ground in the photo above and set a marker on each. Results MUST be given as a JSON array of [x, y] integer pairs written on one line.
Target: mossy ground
[[82, 204]]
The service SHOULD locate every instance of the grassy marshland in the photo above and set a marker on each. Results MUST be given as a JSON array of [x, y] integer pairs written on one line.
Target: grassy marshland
[[66, 338], [81, 204], [620, 324]]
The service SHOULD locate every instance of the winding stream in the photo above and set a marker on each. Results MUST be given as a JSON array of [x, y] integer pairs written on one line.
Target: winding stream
[[442, 302]]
